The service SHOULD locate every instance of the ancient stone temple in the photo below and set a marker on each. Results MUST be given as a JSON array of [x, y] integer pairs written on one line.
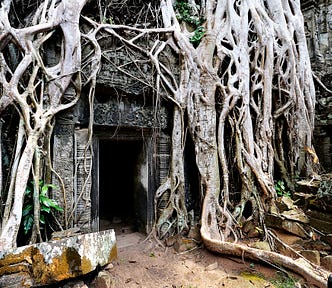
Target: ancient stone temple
[[131, 137], [130, 144], [318, 24]]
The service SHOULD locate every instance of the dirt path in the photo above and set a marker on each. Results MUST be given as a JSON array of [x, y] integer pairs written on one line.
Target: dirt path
[[146, 264]]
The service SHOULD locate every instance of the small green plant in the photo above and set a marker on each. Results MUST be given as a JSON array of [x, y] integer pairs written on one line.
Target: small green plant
[[188, 13], [283, 280], [198, 35], [46, 205], [281, 189], [108, 20]]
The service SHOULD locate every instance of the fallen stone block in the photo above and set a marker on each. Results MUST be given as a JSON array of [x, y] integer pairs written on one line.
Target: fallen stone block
[[49, 262], [312, 255], [103, 280], [326, 262]]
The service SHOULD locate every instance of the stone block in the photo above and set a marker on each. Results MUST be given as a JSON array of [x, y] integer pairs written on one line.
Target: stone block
[[321, 221], [326, 262], [16, 280], [327, 239], [262, 245], [303, 199], [312, 255], [309, 244], [296, 214], [49, 262], [103, 280], [294, 228], [184, 244], [279, 222], [284, 203]]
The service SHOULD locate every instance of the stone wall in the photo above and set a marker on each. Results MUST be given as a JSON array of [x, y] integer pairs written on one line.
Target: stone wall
[[118, 114], [318, 24]]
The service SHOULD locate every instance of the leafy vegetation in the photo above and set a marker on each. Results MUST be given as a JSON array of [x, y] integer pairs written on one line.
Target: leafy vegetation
[[189, 13], [46, 205], [283, 280], [281, 189], [198, 35]]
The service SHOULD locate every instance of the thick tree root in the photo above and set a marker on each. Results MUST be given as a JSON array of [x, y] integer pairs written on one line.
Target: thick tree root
[[315, 275]]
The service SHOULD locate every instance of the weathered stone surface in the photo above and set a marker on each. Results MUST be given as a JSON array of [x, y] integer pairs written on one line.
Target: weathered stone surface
[[308, 186], [327, 239], [290, 226], [286, 238], [262, 245], [321, 221], [312, 255], [54, 261], [273, 220], [314, 245], [63, 155], [17, 280], [296, 214], [129, 113], [284, 203], [294, 228], [326, 262], [103, 280], [303, 199]]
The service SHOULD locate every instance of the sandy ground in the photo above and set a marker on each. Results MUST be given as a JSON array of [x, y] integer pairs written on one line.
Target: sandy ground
[[145, 263]]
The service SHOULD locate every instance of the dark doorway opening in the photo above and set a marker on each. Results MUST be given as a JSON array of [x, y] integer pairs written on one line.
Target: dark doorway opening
[[119, 164]]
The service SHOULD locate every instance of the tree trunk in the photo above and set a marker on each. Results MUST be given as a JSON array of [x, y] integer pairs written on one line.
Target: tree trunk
[[244, 81], [10, 229]]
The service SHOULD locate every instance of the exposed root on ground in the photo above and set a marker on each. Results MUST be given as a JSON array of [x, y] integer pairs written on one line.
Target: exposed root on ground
[[312, 273]]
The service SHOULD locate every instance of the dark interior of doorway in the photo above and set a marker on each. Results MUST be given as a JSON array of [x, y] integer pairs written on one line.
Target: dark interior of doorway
[[118, 164]]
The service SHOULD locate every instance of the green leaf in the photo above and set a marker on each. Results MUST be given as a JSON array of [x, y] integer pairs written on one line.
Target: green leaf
[[27, 223], [53, 204], [42, 219], [45, 209], [45, 188], [27, 210], [45, 200], [28, 190], [58, 208]]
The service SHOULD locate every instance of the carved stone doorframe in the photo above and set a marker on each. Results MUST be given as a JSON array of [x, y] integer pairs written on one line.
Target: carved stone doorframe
[[147, 171]]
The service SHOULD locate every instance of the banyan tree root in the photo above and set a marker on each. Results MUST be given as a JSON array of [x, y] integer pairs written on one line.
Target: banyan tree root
[[312, 273]]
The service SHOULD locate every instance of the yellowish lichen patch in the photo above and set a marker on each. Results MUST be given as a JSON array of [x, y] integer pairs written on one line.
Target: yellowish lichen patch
[[86, 265], [16, 262], [252, 277], [113, 253], [65, 266], [47, 263], [15, 258]]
